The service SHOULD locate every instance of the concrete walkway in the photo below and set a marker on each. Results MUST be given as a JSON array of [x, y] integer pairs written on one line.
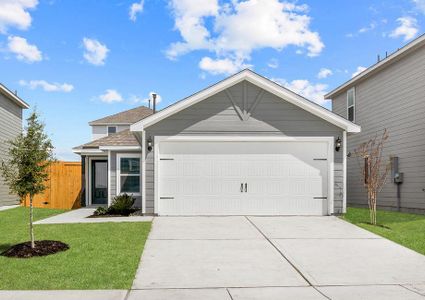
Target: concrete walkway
[[2, 208], [80, 216]]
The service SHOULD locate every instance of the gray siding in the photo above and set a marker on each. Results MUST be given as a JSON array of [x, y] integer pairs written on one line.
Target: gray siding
[[394, 99], [216, 116], [10, 127]]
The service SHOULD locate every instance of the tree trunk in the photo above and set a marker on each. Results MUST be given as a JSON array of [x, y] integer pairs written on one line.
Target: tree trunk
[[31, 225]]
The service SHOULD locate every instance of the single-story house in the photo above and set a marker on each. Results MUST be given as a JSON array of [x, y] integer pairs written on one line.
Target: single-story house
[[243, 146], [11, 107]]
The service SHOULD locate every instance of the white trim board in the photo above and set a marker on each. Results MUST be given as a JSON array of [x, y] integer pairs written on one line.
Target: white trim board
[[329, 140], [89, 177], [118, 172], [259, 81], [11, 96], [378, 66]]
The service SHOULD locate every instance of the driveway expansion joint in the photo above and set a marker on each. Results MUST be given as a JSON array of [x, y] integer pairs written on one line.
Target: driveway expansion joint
[[280, 252]]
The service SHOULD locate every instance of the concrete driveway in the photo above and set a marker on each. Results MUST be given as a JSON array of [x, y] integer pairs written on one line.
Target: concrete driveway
[[273, 258]]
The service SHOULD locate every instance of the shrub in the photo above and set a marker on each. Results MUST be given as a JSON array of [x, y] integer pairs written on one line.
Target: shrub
[[100, 211], [122, 205]]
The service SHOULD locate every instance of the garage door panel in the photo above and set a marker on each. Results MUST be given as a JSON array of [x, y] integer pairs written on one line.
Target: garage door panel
[[204, 178]]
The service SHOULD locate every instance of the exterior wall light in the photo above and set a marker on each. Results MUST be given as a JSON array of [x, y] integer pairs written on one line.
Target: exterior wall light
[[338, 144], [150, 146]]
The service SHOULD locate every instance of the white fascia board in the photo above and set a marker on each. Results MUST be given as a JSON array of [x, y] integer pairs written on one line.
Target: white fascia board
[[13, 97], [197, 97], [88, 151], [259, 81], [386, 61], [117, 148]]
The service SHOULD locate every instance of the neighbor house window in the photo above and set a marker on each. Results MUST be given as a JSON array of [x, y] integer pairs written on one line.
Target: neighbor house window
[[112, 129], [351, 105], [128, 174]]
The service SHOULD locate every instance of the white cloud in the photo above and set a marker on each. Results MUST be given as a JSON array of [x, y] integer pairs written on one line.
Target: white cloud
[[137, 99], [273, 63], [47, 86], [324, 73], [238, 28], [14, 13], [358, 71], [311, 91], [364, 29], [408, 28], [95, 52], [111, 96], [420, 5], [136, 8], [221, 66], [23, 50]]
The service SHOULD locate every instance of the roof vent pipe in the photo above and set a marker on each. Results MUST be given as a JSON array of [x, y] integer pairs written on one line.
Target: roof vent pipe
[[154, 102]]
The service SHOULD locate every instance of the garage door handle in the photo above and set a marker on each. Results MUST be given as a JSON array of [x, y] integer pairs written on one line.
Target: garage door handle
[[241, 187], [246, 187]]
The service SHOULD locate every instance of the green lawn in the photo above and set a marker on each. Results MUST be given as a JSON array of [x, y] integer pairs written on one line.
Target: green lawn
[[405, 229], [101, 255]]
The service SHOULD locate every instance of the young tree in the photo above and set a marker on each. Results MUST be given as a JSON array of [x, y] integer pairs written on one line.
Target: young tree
[[374, 170], [26, 170]]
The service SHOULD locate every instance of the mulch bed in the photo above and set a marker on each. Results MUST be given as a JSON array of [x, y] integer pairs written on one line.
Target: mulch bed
[[107, 216], [42, 248]]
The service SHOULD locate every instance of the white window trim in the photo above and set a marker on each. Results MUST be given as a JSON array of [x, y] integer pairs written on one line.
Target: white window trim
[[107, 129], [354, 104], [118, 172]]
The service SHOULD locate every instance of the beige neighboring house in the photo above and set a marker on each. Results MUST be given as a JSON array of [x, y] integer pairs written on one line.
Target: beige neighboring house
[[11, 107], [389, 94], [243, 146]]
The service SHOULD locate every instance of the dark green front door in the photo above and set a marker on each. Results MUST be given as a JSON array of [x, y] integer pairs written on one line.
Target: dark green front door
[[99, 183]]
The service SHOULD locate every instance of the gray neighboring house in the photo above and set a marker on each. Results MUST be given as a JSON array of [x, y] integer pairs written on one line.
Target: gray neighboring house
[[11, 107], [243, 146], [389, 94]]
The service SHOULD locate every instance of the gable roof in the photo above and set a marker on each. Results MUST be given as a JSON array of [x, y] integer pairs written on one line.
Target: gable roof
[[121, 138], [13, 97], [259, 81], [127, 117], [407, 49]]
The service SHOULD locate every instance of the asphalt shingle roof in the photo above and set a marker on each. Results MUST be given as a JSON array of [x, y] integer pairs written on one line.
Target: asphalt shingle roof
[[122, 138], [130, 116]]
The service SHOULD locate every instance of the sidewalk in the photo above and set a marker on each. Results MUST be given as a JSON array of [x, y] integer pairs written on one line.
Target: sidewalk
[[80, 216]]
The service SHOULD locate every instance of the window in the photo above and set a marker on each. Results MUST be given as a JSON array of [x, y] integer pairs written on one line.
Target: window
[[112, 129], [351, 105], [128, 173]]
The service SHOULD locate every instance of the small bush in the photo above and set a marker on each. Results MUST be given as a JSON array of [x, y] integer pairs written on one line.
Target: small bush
[[122, 205], [100, 211]]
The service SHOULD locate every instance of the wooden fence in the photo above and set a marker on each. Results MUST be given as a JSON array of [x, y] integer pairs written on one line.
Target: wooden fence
[[63, 187]]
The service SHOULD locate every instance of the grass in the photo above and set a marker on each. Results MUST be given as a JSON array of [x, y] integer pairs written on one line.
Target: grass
[[403, 228], [101, 255]]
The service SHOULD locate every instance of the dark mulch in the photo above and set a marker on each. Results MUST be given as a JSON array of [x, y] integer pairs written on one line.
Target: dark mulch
[[42, 248], [106, 216]]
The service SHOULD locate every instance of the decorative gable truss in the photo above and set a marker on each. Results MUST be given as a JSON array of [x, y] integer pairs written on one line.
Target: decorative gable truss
[[247, 107]]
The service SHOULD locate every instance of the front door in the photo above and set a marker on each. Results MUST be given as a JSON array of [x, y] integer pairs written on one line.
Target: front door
[[99, 190]]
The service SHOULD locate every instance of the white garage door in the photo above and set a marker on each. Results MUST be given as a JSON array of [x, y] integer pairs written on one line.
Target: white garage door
[[243, 178]]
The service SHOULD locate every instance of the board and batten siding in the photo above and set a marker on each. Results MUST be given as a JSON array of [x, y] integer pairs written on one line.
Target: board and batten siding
[[216, 116], [393, 98], [10, 127]]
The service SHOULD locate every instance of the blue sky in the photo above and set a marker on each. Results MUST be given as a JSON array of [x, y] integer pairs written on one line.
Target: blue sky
[[79, 60]]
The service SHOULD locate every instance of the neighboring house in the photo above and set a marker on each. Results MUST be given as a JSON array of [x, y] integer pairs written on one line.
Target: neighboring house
[[11, 107], [390, 94], [245, 145]]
